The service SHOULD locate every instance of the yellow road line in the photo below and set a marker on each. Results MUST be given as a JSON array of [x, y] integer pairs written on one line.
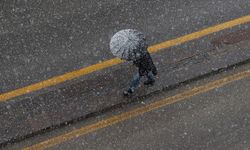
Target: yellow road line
[[71, 75], [138, 111], [199, 34]]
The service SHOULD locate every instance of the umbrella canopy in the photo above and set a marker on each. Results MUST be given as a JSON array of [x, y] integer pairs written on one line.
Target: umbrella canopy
[[128, 44]]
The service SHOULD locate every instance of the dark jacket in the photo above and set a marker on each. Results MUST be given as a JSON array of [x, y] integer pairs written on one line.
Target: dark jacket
[[145, 65]]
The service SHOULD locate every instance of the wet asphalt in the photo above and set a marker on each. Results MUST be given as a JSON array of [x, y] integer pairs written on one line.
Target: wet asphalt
[[217, 119], [42, 39]]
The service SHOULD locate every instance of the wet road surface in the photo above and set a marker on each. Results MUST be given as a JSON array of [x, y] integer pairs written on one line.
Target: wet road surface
[[43, 39], [216, 118]]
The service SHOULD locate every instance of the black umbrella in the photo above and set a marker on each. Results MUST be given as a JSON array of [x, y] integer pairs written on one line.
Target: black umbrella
[[128, 44]]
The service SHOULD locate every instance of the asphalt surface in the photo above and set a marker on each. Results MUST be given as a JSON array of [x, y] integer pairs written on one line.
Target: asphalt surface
[[75, 102], [218, 119], [41, 39]]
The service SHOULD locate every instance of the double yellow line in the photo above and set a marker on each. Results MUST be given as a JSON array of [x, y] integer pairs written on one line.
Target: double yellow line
[[99, 66], [139, 111]]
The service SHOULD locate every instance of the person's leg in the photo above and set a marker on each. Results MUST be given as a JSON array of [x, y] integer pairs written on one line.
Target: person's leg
[[151, 79], [133, 84]]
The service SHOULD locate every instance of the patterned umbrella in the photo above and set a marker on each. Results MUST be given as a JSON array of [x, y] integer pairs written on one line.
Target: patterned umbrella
[[128, 44]]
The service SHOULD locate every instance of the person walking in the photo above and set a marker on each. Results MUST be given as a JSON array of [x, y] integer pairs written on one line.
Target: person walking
[[131, 45]]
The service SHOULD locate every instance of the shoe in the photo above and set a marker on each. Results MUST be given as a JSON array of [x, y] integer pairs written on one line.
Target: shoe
[[128, 92], [149, 82]]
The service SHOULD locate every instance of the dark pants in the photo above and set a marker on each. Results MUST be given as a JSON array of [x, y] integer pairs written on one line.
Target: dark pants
[[136, 80]]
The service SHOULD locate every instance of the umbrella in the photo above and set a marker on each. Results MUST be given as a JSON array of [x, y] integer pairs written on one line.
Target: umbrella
[[128, 44]]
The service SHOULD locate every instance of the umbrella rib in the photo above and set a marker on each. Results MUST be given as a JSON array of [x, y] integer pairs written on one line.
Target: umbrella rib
[[117, 52]]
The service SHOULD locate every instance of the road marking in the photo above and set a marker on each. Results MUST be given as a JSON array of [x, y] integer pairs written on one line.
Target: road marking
[[99, 66], [138, 111]]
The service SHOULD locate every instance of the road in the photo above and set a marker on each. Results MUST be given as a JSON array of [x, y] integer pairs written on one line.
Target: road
[[216, 118], [57, 74], [43, 39]]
